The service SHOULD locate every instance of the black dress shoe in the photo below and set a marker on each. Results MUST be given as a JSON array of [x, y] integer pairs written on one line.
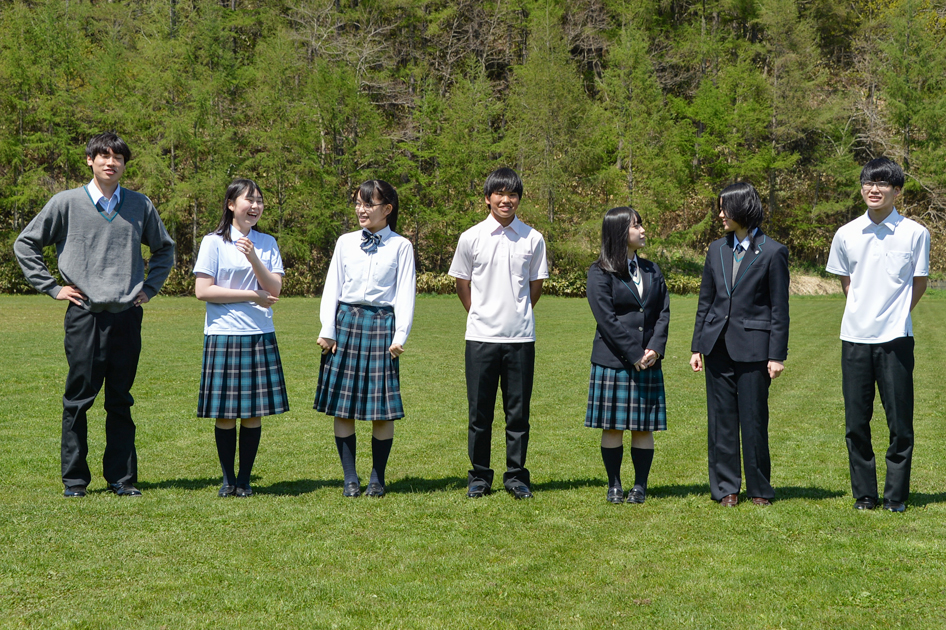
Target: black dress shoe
[[226, 491], [865, 503], [477, 490], [124, 489], [374, 489], [244, 491], [615, 494], [74, 491], [520, 492], [352, 489], [637, 494], [894, 506]]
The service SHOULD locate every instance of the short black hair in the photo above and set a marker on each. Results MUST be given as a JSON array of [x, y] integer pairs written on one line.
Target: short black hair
[[235, 190], [385, 192], [614, 228], [740, 202], [883, 169], [503, 179], [105, 142]]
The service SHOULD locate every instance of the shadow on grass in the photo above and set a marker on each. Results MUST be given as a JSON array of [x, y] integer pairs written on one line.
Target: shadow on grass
[[409, 485], [295, 487], [920, 499], [180, 484], [568, 484], [797, 492], [679, 490]]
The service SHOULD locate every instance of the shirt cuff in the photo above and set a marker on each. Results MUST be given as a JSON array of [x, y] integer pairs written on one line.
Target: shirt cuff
[[328, 332]]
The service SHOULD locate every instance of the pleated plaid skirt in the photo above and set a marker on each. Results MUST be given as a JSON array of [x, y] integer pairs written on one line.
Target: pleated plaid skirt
[[623, 400], [360, 380], [241, 377]]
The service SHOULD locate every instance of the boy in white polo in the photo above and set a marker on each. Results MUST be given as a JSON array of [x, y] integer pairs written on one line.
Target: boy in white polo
[[499, 266], [883, 259]]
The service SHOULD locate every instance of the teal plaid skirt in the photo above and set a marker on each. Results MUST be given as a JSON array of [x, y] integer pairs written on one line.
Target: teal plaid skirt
[[624, 400], [241, 377]]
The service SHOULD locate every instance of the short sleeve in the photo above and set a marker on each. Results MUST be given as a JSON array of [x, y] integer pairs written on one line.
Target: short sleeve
[[275, 261], [838, 263], [538, 266], [207, 256], [921, 254], [462, 265]]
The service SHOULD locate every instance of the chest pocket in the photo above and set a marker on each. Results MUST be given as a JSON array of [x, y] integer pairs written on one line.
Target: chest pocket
[[898, 264], [519, 266], [383, 272]]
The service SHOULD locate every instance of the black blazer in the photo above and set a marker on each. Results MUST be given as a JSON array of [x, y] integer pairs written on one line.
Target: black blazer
[[754, 310], [627, 325]]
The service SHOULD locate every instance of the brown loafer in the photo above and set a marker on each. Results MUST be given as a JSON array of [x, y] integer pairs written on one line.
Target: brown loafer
[[730, 500], [761, 501]]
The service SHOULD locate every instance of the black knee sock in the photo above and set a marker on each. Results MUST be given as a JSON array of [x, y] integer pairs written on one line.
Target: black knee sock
[[642, 459], [612, 463], [346, 452], [249, 444], [226, 451], [380, 450]]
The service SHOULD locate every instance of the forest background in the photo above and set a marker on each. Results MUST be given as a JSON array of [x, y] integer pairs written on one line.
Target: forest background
[[597, 103]]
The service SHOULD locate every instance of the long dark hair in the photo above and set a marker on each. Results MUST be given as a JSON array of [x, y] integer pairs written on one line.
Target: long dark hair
[[740, 202], [236, 189], [385, 192], [614, 228]]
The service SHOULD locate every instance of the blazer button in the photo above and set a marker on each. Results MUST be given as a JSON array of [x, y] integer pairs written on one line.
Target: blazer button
[[640, 328], [727, 317], [642, 310]]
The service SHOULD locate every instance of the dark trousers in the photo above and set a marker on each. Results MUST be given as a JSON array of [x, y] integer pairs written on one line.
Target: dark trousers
[[100, 348], [890, 366], [737, 398], [512, 367]]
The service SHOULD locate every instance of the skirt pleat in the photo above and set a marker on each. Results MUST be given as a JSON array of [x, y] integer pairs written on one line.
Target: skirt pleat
[[241, 377], [623, 400]]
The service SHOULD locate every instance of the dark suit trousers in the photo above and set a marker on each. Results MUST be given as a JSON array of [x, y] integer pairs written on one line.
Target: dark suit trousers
[[890, 366], [737, 398], [512, 367], [100, 348]]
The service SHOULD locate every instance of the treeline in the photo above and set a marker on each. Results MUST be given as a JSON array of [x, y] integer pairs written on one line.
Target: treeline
[[655, 103]]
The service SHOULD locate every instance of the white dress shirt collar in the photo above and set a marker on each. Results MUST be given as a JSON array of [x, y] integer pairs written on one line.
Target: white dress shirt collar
[[109, 204]]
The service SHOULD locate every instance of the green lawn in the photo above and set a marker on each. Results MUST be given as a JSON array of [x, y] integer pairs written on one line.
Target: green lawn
[[299, 555]]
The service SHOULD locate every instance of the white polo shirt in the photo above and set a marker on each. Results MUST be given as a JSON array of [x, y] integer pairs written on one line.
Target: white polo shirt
[[500, 262], [881, 259]]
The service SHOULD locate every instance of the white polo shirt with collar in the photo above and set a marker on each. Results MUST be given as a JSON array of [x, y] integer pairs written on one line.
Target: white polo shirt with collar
[[500, 262], [881, 259]]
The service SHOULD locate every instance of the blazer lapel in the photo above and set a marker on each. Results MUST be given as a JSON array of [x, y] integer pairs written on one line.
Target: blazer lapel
[[725, 255], [753, 254]]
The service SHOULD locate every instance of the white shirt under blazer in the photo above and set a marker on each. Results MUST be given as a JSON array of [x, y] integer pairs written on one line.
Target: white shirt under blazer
[[230, 269], [384, 277], [881, 259], [500, 262]]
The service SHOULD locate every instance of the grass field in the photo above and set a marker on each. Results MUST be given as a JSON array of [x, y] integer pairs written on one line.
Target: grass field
[[299, 555]]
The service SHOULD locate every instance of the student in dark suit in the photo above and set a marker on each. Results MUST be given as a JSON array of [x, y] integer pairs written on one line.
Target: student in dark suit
[[631, 305], [741, 338]]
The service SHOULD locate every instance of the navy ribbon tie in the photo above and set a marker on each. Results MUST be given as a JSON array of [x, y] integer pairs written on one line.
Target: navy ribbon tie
[[632, 266], [740, 248], [369, 241]]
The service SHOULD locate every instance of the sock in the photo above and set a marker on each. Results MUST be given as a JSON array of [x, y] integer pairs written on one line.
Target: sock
[[612, 463], [249, 444], [226, 451], [380, 450], [642, 459], [346, 452]]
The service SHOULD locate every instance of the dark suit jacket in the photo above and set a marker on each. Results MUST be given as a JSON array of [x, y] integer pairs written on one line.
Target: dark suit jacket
[[628, 325], [755, 307]]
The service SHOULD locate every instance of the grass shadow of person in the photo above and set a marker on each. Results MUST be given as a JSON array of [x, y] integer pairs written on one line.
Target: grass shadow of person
[[409, 485]]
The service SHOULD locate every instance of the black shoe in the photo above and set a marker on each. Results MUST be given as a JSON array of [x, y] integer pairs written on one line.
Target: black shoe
[[615, 494], [520, 492], [226, 491], [374, 489], [865, 503], [478, 489], [637, 494], [352, 489], [894, 506], [244, 491], [74, 491], [124, 489]]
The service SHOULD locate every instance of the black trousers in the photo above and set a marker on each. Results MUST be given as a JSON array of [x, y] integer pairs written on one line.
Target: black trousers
[[890, 366], [100, 348], [512, 367], [737, 398]]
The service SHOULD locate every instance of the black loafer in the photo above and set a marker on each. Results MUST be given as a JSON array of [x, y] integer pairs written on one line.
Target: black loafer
[[865, 503], [477, 489], [244, 491], [615, 494], [520, 492], [352, 489], [124, 489], [74, 491], [894, 506], [375, 489], [226, 491], [637, 494]]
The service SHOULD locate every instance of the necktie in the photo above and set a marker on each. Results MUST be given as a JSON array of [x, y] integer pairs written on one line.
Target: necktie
[[632, 266], [369, 241]]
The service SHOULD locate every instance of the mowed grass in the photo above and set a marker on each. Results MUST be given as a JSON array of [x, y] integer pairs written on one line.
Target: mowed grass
[[299, 555]]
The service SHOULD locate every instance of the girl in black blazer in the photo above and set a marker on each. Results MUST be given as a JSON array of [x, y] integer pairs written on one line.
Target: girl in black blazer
[[741, 337], [631, 305]]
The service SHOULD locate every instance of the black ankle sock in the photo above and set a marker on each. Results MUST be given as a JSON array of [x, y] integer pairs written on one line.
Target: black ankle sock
[[642, 459], [249, 445], [380, 450], [346, 452], [612, 463], [226, 451]]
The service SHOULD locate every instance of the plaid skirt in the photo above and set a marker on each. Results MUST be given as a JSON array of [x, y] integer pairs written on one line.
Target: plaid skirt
[[360, 380], [625, 400], [241, 377]]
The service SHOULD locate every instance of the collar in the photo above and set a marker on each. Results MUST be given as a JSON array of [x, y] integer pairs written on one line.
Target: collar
[[384, 232], [891, 221], [236, 234], [496, 227], [96, 194], [746, 242]]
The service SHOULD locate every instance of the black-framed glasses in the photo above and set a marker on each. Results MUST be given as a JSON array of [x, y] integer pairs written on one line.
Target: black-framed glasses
[[879, 185]]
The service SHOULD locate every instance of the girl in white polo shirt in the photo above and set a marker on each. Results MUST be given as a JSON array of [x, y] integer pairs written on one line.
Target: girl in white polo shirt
[[239, 275], [366, 312]]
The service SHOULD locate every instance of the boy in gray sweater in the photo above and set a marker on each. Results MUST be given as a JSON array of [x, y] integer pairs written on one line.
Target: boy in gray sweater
[[98, 230]]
